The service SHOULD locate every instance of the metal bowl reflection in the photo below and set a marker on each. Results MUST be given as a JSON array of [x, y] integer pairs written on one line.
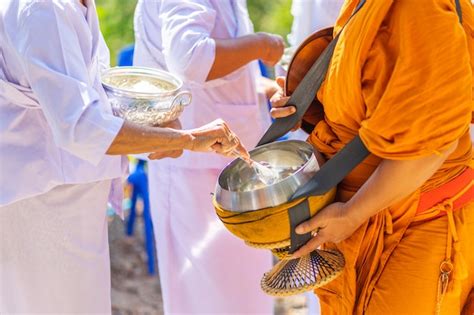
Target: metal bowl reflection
[[239, 189], [144, 95]]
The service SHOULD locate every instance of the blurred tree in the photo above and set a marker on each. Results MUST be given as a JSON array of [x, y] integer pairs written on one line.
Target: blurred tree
[[116, 23], [271, 16], [116, 20]]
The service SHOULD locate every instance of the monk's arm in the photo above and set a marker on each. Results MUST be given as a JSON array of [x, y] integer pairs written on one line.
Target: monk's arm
[[392, 181], [232, 54]]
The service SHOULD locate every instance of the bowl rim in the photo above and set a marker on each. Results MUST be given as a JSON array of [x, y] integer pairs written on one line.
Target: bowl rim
[[152, 72], [223, 195]]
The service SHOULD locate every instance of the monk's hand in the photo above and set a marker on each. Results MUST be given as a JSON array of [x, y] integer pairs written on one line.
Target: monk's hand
[[270, 87], [332, 224], [217, 137], [279, 100], [272, 48]]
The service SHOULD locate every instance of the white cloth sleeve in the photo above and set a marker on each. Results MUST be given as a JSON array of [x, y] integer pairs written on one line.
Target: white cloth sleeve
[[104, 54], [188, 49], [52, 52]]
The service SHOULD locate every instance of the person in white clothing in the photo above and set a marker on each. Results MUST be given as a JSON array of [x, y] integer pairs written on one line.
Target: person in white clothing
[[310, 16], [60, 155], [210, 44]]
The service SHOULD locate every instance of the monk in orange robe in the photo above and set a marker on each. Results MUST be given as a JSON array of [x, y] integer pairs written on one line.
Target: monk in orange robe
[[402, 78]]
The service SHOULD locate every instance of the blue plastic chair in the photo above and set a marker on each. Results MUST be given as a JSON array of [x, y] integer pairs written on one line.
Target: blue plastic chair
[[139, 182], [125, 56]]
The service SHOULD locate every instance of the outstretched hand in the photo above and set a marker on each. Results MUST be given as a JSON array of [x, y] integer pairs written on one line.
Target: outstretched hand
[[217, 136]]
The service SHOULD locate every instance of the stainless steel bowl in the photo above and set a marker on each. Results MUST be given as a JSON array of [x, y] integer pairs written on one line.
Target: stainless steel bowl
[[239, 189], [144, 95]]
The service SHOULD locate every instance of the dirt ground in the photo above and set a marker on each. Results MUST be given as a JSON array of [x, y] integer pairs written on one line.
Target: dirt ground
[[134, 292]]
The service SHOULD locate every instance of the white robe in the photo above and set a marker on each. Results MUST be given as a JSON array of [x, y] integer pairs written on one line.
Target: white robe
[[55, 127], [203, 268], [310, 16], [55, 120], [54, 252]]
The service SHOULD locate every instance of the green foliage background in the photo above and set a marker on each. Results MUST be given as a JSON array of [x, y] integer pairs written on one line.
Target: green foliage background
[[116, 20]]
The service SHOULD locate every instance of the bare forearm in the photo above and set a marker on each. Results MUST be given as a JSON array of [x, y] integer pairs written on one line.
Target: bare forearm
[[232, 54], [391, 182], [135, 139]]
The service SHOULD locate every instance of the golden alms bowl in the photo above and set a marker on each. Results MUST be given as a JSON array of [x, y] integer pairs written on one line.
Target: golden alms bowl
[[258, 213]]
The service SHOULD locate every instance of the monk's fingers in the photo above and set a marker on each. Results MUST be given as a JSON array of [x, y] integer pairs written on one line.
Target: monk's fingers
[[311, 245], [282, 111], [316, 223], [279, 100], [280, 81], [297, 126]]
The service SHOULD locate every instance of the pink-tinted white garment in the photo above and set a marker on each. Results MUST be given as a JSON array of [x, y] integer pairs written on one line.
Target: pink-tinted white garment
[[55, 119], [203, 268], [177, 35], [55, 127], [54, 252]]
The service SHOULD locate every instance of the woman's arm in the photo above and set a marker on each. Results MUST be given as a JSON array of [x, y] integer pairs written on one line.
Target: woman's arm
[[192, 52], [215, 136], [392, 181], [232, 54]]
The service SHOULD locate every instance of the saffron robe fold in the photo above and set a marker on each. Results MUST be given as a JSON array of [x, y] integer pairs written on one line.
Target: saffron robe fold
[[402, 77]]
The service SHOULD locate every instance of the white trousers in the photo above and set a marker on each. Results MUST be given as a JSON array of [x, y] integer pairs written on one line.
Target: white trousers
[[54, 253], [203, 268]]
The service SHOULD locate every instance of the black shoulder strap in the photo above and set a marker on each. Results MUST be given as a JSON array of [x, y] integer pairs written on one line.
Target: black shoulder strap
[[333, 171], [330, 174], [306, 91], [459, 10]]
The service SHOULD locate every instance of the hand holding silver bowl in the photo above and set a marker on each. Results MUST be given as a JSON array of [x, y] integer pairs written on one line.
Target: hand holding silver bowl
[[145, 96]]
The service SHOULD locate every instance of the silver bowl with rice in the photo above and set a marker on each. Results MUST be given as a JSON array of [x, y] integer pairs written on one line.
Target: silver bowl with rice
[[239, 188], [145, 96]]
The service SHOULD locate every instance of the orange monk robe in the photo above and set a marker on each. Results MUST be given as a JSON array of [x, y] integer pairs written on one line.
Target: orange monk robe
[[402, 77]]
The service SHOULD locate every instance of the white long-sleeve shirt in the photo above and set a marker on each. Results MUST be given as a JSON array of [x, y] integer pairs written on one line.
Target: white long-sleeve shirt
[[178, 36], [55, 120]]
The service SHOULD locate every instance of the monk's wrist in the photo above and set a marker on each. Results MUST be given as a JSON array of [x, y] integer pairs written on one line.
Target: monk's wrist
[[354, 213]]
